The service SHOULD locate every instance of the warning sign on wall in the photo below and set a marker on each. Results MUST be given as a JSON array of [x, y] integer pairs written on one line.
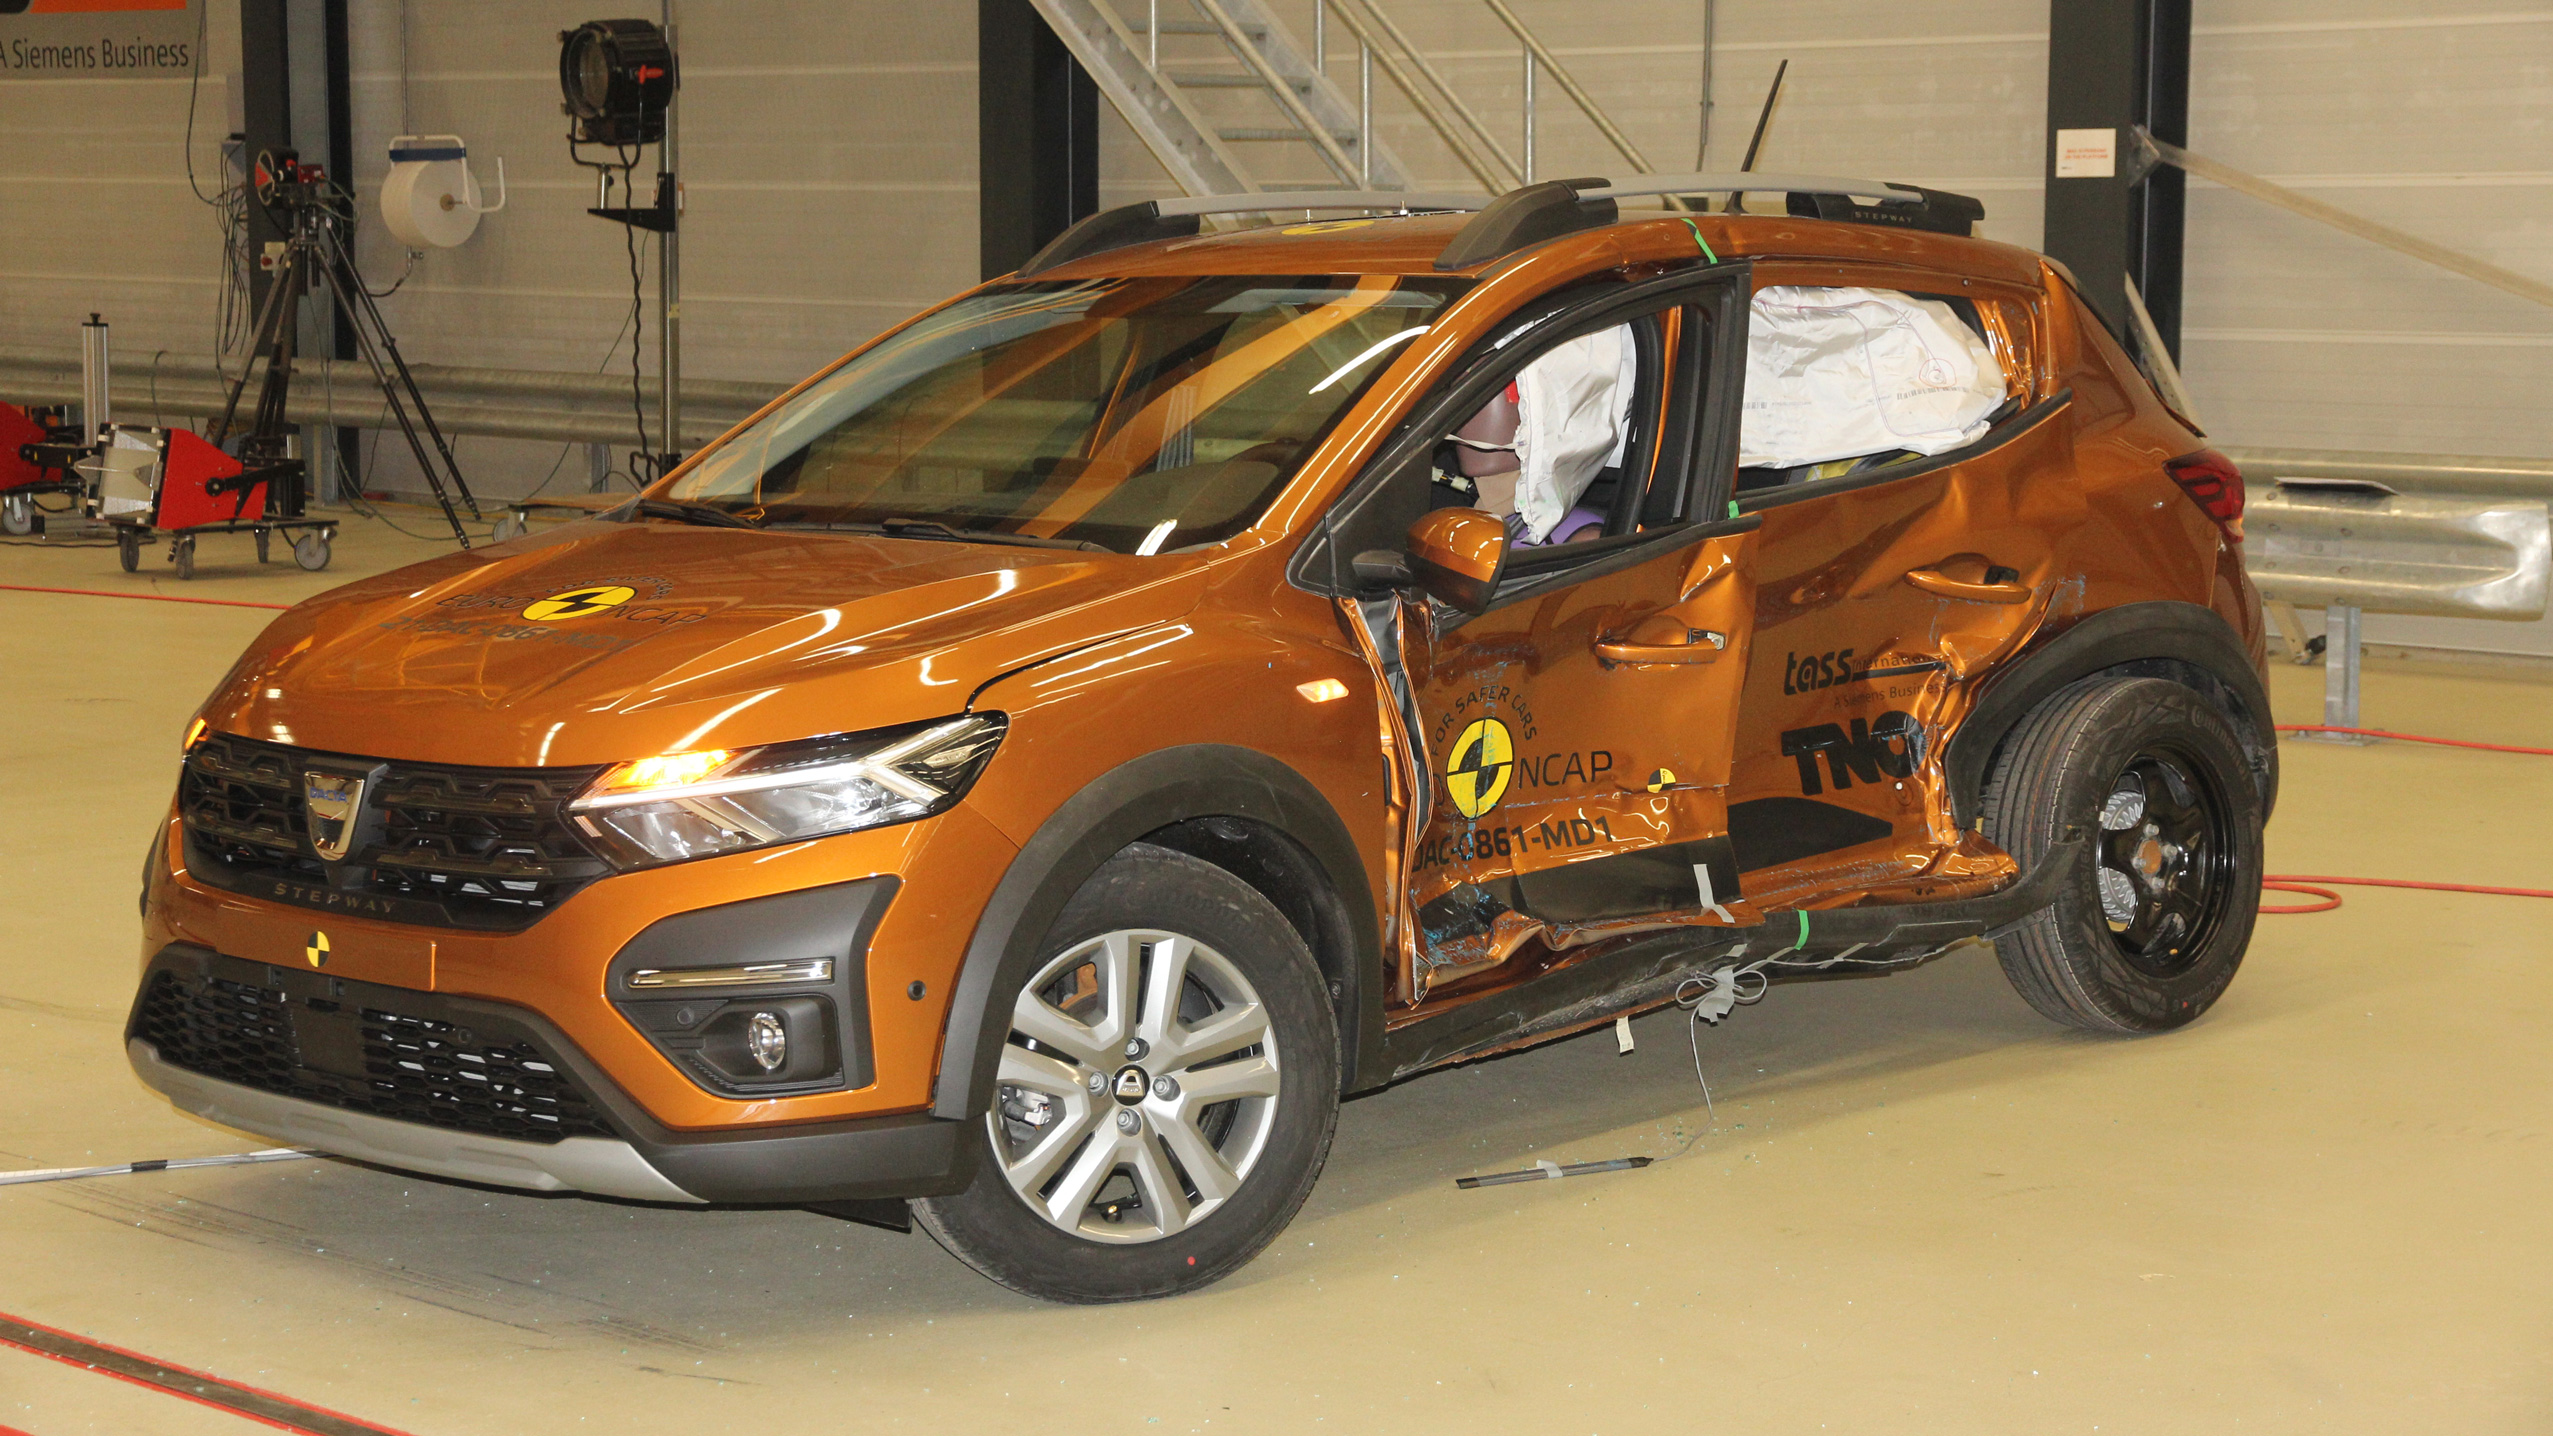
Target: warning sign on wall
[[2087, 154], [97, 39]]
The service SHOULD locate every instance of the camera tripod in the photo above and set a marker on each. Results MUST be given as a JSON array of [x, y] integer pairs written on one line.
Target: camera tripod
[[315, 254]]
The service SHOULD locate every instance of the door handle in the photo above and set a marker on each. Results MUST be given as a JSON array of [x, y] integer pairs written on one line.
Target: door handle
[[1942, 585], [1698, 645]]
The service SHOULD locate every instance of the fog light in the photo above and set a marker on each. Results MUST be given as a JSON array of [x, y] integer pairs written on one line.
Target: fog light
[[767, 1041]]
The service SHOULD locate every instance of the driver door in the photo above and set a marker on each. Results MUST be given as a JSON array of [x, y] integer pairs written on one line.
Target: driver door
[[1575, 737]]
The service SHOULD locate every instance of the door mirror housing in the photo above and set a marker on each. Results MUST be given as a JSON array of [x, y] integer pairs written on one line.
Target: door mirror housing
[[1457, 555]]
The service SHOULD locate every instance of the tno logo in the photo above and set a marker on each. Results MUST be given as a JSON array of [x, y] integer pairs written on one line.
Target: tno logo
[[1890, 746]]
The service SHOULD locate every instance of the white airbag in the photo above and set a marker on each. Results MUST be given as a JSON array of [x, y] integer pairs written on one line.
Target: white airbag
[[1839, 373], [1574, 417]]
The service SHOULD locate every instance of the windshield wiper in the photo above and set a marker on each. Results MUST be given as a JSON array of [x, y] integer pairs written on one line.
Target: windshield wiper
[[902, 527], [702, 514]]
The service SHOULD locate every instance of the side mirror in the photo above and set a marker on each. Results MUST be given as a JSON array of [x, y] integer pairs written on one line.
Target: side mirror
[[1457, 555]]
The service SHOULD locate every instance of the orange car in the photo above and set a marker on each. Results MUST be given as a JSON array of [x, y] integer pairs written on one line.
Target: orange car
[[1028, 773]]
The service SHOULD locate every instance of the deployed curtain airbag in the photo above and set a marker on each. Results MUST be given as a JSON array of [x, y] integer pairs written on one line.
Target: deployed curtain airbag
[[1839, 373], [1573, 412]]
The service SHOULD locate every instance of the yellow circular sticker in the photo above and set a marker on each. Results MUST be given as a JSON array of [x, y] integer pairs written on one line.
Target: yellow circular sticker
[[316, 949], [1326, 226], [578, 602], [1477, 772]]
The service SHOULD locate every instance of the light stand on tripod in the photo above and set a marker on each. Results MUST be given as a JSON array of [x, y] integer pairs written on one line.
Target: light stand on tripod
[[315, 253]]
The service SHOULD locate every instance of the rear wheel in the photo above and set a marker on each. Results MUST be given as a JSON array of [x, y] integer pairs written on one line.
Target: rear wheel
[[2154, 918], [1165, 1097]]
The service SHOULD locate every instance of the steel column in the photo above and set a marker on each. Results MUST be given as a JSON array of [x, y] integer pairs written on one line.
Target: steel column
[[2114, 65], [1037, 115]]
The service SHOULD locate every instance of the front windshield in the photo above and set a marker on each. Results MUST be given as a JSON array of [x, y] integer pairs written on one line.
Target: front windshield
[[1136, 415]]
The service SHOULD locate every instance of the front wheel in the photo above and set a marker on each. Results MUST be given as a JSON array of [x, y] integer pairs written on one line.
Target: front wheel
[[1165, 1097], [2146, 933]]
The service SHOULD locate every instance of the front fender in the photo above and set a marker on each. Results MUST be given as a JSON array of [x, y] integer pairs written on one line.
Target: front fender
[[1097, 758]]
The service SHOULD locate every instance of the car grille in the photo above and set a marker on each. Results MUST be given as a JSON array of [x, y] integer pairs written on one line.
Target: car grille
[[416, 1067], [482, 848]]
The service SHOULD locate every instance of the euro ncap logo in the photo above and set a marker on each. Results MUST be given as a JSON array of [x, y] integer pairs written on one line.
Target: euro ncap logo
[[1477, 771], [580, 602]]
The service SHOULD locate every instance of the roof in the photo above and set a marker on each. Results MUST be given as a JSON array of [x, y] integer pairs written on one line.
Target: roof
[[1411, 244]]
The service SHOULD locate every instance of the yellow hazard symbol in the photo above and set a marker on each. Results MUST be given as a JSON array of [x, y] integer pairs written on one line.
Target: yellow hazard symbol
[[316, 949], [578, 602], [1476, 772]]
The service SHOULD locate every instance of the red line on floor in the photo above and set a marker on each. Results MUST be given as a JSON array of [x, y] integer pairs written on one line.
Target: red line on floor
[[254, 1403], [154, 597], [2414, 738]]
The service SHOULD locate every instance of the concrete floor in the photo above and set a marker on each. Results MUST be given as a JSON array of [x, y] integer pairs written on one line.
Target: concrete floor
[[1922, 1209]]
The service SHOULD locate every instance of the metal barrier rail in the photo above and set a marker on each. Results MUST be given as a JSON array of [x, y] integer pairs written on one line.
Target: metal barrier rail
[[553, 407]]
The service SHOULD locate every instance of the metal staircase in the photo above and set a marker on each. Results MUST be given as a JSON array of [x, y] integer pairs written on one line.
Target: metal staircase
[[1198, 78]]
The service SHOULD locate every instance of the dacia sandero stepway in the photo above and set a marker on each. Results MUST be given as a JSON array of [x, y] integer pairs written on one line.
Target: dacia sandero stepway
[[1028, 773]]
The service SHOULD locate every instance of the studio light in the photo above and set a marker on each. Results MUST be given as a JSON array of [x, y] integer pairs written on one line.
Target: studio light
[[617, 81]]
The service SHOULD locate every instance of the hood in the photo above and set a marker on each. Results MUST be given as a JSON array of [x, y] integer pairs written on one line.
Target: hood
[[598, 643]]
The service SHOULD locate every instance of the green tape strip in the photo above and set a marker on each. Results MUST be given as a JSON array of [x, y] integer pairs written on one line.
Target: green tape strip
[[1802, 943], [1732, 508], [1699, 240]]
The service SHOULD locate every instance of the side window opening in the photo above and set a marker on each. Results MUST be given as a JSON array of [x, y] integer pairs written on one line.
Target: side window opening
[[1567, 451], [1845, 381]]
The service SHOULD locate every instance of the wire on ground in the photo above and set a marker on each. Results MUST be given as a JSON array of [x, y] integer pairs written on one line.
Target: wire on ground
[[158, 1164], [2302, 884]]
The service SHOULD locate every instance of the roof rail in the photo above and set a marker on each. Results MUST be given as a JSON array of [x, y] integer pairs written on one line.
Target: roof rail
[[1544, 211], [1177, 218], [1899, 206]]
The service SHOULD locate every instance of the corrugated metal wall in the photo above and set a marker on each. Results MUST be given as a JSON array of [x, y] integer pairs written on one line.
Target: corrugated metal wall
[[831, 151]]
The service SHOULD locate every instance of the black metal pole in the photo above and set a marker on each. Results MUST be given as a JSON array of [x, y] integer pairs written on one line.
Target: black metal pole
[[1037, 115], [2114, 65], [266, 107]]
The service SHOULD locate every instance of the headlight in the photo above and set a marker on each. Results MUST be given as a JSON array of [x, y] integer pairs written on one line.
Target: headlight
[[697, 805]]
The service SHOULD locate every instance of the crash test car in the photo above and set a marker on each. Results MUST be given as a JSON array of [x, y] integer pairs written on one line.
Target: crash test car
[[1027, 774]]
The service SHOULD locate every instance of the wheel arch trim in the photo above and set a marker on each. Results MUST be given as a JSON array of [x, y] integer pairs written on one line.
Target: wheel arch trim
[[1123, 806], [2164, 639]]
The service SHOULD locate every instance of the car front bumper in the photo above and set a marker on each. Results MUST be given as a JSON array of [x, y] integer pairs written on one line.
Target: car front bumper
[[604, 1144]]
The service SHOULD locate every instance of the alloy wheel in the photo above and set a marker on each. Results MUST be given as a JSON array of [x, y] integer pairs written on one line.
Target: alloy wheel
[[1138, 1087]]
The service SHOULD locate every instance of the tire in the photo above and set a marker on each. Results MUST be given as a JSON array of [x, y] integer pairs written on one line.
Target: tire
[[508, 526], [311, 551], [17, 516], [128, 552], [2147, 932], [183, 551], [1115, 1221]]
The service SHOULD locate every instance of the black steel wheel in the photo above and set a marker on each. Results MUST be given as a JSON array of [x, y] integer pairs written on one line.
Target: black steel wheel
[[2167, 879], [1166, 1093]]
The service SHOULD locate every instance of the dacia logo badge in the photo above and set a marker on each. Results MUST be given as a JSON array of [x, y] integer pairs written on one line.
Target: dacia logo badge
[[316, 949], [332, 802], [1131, 1083]]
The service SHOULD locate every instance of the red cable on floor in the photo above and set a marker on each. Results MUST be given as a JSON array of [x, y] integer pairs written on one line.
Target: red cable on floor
[[256, 1403], [155, 597], [2413, 738], [2300, 883]]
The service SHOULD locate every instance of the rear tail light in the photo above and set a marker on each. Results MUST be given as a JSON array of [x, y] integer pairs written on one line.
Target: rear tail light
[[2211, 479]]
